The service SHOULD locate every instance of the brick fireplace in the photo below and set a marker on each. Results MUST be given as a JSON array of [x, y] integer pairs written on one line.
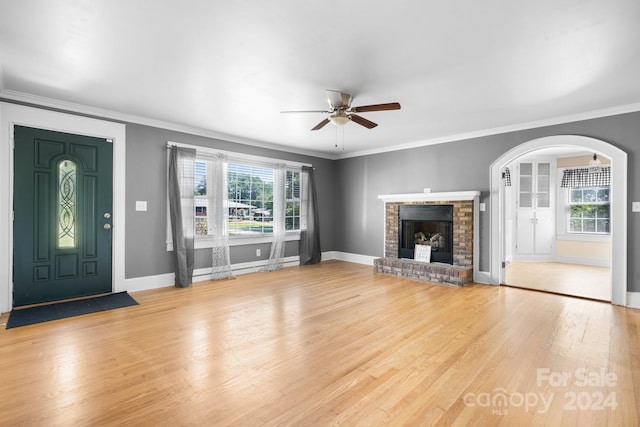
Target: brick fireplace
[[465, 238]]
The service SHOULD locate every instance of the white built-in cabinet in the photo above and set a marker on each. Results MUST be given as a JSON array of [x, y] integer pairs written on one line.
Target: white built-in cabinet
[[535, 210]]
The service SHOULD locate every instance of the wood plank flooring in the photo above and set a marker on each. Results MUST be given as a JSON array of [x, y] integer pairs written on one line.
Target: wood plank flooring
[[332, 344], [583, 281]]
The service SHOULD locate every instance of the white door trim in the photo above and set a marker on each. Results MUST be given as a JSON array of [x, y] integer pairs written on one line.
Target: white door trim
[[618, 205], [12, 114]]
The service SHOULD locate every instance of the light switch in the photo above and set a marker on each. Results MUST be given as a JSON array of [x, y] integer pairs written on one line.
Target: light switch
[[635, 206], [141, 205], [483, 207]]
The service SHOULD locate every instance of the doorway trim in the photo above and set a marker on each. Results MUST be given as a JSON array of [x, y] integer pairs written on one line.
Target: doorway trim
[[12, 114], [618, 205]]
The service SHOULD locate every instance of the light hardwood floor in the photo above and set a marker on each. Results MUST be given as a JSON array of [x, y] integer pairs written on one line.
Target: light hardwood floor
[[568, 279], [332, 344]]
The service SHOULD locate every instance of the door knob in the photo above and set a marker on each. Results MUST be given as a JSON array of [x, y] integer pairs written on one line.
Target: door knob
[[107, 226]]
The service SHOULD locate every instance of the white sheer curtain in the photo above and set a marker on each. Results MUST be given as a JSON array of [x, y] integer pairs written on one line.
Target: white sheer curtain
[[276, 257], [181, 210], [219, 218]]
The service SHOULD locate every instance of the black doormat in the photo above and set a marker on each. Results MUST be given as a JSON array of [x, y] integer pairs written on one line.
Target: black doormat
[[45, 313]]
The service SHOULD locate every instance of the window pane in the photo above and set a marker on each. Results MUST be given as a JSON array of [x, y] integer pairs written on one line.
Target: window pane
[[589, 211], [589, 195], [589, 225], [200, 179], [575, 225], [575, 211], [201, 223], [603, 195], [296, 185], [526, 168], [67, 204], [250, 193], [602, 211], [292, 194], [576, 195], [602, 225]]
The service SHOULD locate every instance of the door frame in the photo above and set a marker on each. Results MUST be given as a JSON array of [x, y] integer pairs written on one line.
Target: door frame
[[11, 115], [618, 206]]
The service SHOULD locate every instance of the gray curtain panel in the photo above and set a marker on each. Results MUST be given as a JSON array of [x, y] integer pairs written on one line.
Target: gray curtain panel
[[309, 245], [181, 188]]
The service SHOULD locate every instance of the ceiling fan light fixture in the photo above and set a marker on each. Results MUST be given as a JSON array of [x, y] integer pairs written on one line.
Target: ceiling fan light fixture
[[339, 119]]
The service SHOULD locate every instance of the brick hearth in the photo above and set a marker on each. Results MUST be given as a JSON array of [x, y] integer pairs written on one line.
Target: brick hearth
[[461, 272]]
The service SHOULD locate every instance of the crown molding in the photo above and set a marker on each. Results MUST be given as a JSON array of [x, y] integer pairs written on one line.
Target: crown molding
[[606, 112], [192, 130], [65, 106]]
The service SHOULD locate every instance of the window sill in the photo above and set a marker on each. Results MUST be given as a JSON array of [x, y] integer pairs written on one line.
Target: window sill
[[585, 237], [204, 243]]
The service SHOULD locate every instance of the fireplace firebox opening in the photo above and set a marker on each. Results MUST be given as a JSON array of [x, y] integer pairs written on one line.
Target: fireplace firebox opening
[[426, 225]]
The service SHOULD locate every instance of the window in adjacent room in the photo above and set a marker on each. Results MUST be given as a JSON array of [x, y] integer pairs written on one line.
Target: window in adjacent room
[[589, 210]]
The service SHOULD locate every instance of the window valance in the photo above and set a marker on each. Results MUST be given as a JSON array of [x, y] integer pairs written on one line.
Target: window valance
[[586, 177]]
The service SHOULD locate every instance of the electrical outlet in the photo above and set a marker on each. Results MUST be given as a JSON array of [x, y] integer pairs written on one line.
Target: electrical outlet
[[141, 205], [635, 206], [257, 252]]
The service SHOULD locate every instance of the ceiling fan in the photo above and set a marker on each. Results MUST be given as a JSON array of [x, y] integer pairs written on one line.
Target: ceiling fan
[[341, 112]]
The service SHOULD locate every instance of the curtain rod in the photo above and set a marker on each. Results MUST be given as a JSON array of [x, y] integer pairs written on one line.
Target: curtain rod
[[238, 156]]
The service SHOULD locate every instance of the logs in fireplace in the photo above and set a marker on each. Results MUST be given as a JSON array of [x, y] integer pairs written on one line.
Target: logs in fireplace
[[426, 225]]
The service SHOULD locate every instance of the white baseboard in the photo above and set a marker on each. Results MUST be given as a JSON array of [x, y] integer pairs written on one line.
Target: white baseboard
[[595, 262], [199, 275], [483, 277], [345, 256], [633, 300], [584, 261]]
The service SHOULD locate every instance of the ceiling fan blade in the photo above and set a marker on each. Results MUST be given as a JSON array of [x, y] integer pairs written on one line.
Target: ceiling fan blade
[[320, 125], [376, 107], [362, 121], [338, 99]]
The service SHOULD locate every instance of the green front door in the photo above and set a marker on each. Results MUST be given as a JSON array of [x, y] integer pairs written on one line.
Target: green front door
[[62, 204]]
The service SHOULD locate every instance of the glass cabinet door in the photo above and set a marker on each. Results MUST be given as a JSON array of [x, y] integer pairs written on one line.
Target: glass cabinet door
[[526, 185], [543, 185]]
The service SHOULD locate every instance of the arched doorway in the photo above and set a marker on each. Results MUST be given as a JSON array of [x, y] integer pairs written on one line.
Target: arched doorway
[[618, 205]]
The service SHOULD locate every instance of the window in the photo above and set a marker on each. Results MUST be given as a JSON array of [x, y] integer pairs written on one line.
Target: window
[[67, 187], [250, 199], [589, 210], [292, 198]]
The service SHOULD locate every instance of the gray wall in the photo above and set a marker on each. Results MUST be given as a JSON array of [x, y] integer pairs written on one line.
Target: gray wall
[[464, 165], [146, 179]]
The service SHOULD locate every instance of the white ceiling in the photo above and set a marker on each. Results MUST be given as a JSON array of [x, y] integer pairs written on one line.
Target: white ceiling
[[227, 68]]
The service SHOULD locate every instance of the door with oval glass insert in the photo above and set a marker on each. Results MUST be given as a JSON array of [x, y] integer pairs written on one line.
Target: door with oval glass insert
[[62, 216]]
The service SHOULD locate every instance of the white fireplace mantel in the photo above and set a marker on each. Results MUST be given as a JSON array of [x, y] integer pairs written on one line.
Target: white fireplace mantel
[[430, 197]]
